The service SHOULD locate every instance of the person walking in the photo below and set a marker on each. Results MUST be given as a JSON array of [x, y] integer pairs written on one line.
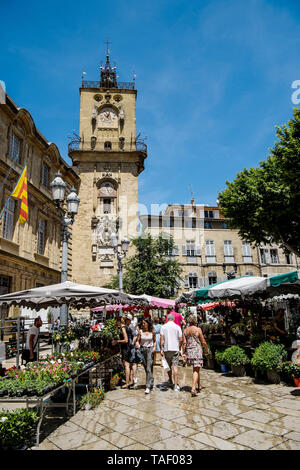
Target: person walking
[[157, 328], [192, 350], [147, 341], [170, 344], [32, 338], [124, 342], [178, 318]]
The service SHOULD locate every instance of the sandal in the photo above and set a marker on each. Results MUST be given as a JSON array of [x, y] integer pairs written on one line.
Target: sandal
[[193, 393], [198, 389]]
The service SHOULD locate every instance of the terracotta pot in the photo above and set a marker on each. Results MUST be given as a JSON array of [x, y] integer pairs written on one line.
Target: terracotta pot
[[297, 382]]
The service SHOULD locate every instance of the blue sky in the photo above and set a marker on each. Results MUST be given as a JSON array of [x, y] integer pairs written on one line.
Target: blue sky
[[213, 77]]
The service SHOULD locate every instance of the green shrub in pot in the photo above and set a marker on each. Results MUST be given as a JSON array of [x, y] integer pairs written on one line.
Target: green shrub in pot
[[269, 356], [235, 356]]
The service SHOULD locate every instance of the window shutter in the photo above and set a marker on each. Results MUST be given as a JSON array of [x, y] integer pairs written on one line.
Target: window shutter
[[198, 250], [186, 282], [176, 250], [183, 250]]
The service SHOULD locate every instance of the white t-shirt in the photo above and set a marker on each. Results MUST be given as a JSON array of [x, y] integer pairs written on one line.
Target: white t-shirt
[[172, 334], [33, 330]]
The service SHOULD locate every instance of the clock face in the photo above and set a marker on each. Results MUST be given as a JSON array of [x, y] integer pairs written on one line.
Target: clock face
[[108, 118]]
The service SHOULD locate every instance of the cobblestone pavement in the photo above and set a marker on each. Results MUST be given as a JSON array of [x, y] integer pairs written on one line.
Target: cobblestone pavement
[[229, 413]]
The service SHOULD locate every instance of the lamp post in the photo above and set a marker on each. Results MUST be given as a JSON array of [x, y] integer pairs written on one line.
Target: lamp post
[[230, 274], [58, 187], [120, 253]]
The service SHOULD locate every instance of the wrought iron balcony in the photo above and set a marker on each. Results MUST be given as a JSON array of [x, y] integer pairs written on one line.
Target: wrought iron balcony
[[120, 85], [77, 144]]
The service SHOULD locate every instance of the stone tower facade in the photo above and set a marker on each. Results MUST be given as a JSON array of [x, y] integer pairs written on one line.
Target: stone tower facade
[[108, 157]]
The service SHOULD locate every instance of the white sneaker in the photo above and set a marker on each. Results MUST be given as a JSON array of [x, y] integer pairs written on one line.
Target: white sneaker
[[135, 381], [147, 390], [176, 388]]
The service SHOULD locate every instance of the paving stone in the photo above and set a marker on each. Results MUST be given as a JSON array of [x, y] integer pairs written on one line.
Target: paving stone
[[293, 404], [136, 446], [72, 440], [119, 440], [260, 416], [294, 436], [167, 424], [185, 431], [288, 422], [66, 428], [149, 434], [285, 411], [216, 442], [223, 430], [98, 445], [195, 421], [269, 428], [178, 443], [258, 440], [288, 445], [46, 445]]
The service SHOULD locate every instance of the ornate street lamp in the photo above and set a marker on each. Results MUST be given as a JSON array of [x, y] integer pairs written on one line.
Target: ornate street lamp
[[124, 245], [230, 274], [58, 187]]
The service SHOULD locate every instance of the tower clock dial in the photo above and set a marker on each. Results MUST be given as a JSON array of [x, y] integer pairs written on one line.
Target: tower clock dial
[[107, 118]]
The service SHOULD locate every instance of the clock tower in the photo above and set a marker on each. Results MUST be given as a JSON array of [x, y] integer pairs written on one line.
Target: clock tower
[[108, 157]]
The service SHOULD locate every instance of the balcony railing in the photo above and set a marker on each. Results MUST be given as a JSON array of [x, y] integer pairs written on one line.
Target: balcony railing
[[120, 85], [77, 144]]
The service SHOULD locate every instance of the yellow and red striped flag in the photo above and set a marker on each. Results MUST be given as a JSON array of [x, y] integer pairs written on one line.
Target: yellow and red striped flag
[[20, 192]]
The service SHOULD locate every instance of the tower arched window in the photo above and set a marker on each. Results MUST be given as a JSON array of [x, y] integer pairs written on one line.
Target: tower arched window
[[107, 145]]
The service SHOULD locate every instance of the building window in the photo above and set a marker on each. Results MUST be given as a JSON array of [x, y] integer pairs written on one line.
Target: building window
[[8, 220], [208, 214], [288, 259], [107, 145], [107, 206], [210, 251], [45, 175], [224, 225], [207, 225], [264, 255], [228, 251], [274, 256], [14, 147], [247, 255], [212, 277], [190, 248], [249, 273], [193, 280], [5, 283], [41, 236]]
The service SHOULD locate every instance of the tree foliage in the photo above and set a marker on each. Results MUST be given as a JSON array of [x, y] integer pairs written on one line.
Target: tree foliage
[[264, 202], [151, 270]]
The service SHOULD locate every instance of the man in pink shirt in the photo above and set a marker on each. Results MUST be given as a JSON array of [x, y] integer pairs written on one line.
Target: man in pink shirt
[[178, 319]]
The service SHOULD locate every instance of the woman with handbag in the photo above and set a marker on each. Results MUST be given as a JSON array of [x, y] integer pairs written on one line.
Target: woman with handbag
[[193, 340]]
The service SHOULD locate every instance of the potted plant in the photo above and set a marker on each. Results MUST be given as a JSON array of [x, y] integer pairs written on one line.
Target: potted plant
[[92, 399], [219, 357], [268, 358], [16, 428], [236, 357], [293, 371]]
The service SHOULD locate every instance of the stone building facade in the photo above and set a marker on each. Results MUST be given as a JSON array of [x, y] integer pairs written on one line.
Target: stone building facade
[[209, 251], [108, 156], [30, 254]]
